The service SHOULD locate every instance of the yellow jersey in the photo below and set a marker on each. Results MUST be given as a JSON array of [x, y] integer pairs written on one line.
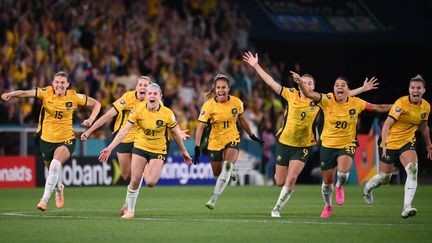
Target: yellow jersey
[[340, 121], [124, 105], [223, 120], [297, 128], [408, 117], [152, 133], [57, 113]]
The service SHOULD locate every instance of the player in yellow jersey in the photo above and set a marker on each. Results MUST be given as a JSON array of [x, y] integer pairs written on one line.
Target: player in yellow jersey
[[122, 108], [399, 143], [296, 137], [57, 141], [221, 112], [150, 143], [339, 136]]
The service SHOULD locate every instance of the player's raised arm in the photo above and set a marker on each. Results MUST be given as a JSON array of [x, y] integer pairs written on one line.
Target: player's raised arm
[[105, 153], [307, 92], [368, 84], [19, 94], [252, 60], [378, 108], [96, 106], [99, 122]]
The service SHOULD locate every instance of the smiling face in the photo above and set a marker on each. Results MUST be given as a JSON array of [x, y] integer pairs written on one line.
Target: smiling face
[[416, 91], [141, 87], [153, 97], [60, 85], [340, 89], [221, 90]]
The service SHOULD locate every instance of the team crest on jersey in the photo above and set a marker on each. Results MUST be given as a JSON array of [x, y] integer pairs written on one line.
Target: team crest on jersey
[[234, 111], [328, 96], [352, 113], [68, 105], [122, 102], [43, 89], [290, 89], [159, 123], [81, 96], [202, 113], [398, 110], [423, 115]]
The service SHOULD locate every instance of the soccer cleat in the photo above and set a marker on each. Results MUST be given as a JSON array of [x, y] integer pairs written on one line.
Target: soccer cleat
[[128, 215], [59, 197], [275, 213], [326, 211], [123, 210], [408, 212], [210, 204], [41, 206], [340, 195], [367, 195]]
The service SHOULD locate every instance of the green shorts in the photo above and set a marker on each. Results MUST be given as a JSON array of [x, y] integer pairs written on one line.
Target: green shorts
[[393, 154], [125, 147], [47, 149], [285, 153], [148, 155], [329, 156], [216, 155]]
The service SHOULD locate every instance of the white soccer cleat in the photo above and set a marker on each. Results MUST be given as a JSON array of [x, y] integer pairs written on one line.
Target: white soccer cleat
[[367, 196], [408, 212], [210, 204], [275, 213]]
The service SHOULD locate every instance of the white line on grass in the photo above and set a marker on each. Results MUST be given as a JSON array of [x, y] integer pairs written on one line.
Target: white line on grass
[[281, 221]]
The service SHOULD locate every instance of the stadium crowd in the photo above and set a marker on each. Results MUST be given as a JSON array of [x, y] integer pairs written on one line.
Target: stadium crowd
[[180, 44]]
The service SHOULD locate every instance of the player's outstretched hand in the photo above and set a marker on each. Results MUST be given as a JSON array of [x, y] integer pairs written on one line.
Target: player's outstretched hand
[[183, 134], [87, 123], [187, 158], [296, 77], [249, 58], [104, 155], [84, 136], [5, 96], [370, 84]]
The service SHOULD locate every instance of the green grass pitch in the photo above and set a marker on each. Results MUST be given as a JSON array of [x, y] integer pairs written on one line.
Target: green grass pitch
[[178, 214]]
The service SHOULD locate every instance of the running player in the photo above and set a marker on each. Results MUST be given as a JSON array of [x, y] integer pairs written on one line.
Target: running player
[[57, 141], [399, 143]]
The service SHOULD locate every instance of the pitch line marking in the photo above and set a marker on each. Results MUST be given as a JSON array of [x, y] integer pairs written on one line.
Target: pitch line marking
[[280, 221]]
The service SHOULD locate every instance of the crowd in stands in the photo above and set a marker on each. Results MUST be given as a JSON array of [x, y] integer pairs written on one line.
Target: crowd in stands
[[181, 45]]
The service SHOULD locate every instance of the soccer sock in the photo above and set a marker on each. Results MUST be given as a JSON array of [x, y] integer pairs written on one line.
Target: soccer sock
[[131, 198], [410, 184], [222, 180], [59, 181], [51, 181], [342, 178], [378, 180], [327, 192], [284, 196], [139, 187]]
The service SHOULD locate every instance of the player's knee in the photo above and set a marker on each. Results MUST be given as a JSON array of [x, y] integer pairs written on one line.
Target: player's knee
[[385, 178], [291, 181], [151, 183], [125, 175], [279, 182], [411, 169]]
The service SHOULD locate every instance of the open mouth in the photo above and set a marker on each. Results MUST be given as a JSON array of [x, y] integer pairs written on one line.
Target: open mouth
[[339, 93], [152, 101]]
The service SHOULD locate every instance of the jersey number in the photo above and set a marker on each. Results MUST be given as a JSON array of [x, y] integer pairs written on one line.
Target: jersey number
[[149, 132], [226, 124], [58, 114], [303, 115], [340, 124]]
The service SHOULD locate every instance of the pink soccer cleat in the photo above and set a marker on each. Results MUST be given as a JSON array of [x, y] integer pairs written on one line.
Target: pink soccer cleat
[[326, 211], [123, 210], [128, 215], [340, 195], [41, 206]]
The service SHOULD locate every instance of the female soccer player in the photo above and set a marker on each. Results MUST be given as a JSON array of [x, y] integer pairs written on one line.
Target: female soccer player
[[296, 137], [339, 135], [399, 143], [122, 108], [150, 143], [57, 141], [222, 112]]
